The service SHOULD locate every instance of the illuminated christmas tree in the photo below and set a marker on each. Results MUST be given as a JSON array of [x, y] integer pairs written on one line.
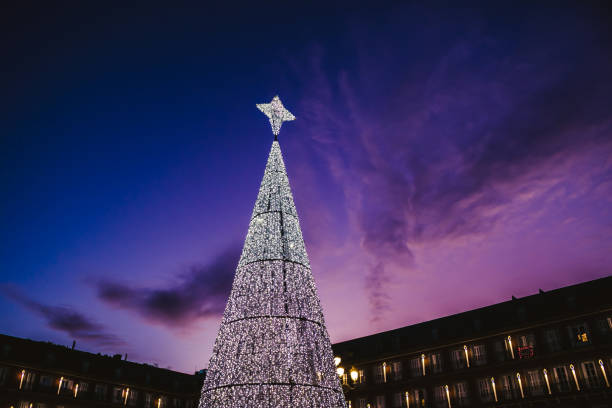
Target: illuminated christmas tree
[[272, 349]]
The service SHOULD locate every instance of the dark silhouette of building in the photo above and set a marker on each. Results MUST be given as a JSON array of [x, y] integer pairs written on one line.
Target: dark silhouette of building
[[552, 349], [36, 374]]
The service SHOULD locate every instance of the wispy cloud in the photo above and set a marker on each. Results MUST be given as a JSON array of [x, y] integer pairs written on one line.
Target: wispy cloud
[[448, 155], [69, 321], [200, 292]]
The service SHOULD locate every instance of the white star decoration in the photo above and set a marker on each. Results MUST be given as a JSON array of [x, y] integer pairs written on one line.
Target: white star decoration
[[277, 113]]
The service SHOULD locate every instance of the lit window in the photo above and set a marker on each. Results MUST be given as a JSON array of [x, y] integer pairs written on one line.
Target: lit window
[[580, 334], [461, 391], [478, 354], [484, 389], [396, 370], [435, 362], [26, 380]]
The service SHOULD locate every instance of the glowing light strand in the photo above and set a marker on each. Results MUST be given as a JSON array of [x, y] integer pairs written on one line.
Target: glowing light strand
[[273, 348]]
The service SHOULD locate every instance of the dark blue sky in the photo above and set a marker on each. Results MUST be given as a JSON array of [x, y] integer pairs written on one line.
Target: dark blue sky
[[436, 148]]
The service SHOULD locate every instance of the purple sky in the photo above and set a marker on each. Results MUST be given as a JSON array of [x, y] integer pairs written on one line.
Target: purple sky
[[441, 160]]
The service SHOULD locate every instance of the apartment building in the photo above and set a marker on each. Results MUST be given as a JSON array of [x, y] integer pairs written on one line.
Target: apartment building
[[43, 375], [552, 349]]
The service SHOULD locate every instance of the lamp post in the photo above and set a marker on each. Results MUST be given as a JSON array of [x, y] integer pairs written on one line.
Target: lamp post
[[510, 346], [447, 396], [575, 378], [518, 377], [603, 371], [547, 383], [423, 363], [354, 375]]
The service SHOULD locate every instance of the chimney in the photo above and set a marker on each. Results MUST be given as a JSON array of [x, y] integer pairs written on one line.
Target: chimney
[[73, 344], [125, 358]]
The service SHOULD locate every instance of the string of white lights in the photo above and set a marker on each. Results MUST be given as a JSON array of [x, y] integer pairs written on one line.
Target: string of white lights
[[273, 349]]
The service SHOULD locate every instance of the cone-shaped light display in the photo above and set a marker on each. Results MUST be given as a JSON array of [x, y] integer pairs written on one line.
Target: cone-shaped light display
[[273, 349]]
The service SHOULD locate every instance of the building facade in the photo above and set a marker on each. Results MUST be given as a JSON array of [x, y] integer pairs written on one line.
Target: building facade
[[553, 349], [44, 375]]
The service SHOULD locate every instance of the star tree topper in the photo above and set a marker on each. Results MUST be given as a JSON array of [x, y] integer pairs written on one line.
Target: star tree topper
[[277, 114]]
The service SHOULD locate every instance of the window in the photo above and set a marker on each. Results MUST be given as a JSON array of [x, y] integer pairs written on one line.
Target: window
[[415, 367], [133, 398], [100, 392], [397, 400], [526, 346], [521, 313], [534, 383], [3, 374], [148, 400], [553, 341], [485, 389], [605, 326], [458, 358], [117, 395], [362, 403], [589, 371], [561, 379], [479, 356], [380, 401], [500, 353], [440, 396], [417, 398], [435, 361], [508, 386], [396, 370], [67, 384], [26, 380], [435, 334], [345, 378], [379, 373], [46, 381], [579, 334], [362, 377], [396, 344], [461, 393]]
